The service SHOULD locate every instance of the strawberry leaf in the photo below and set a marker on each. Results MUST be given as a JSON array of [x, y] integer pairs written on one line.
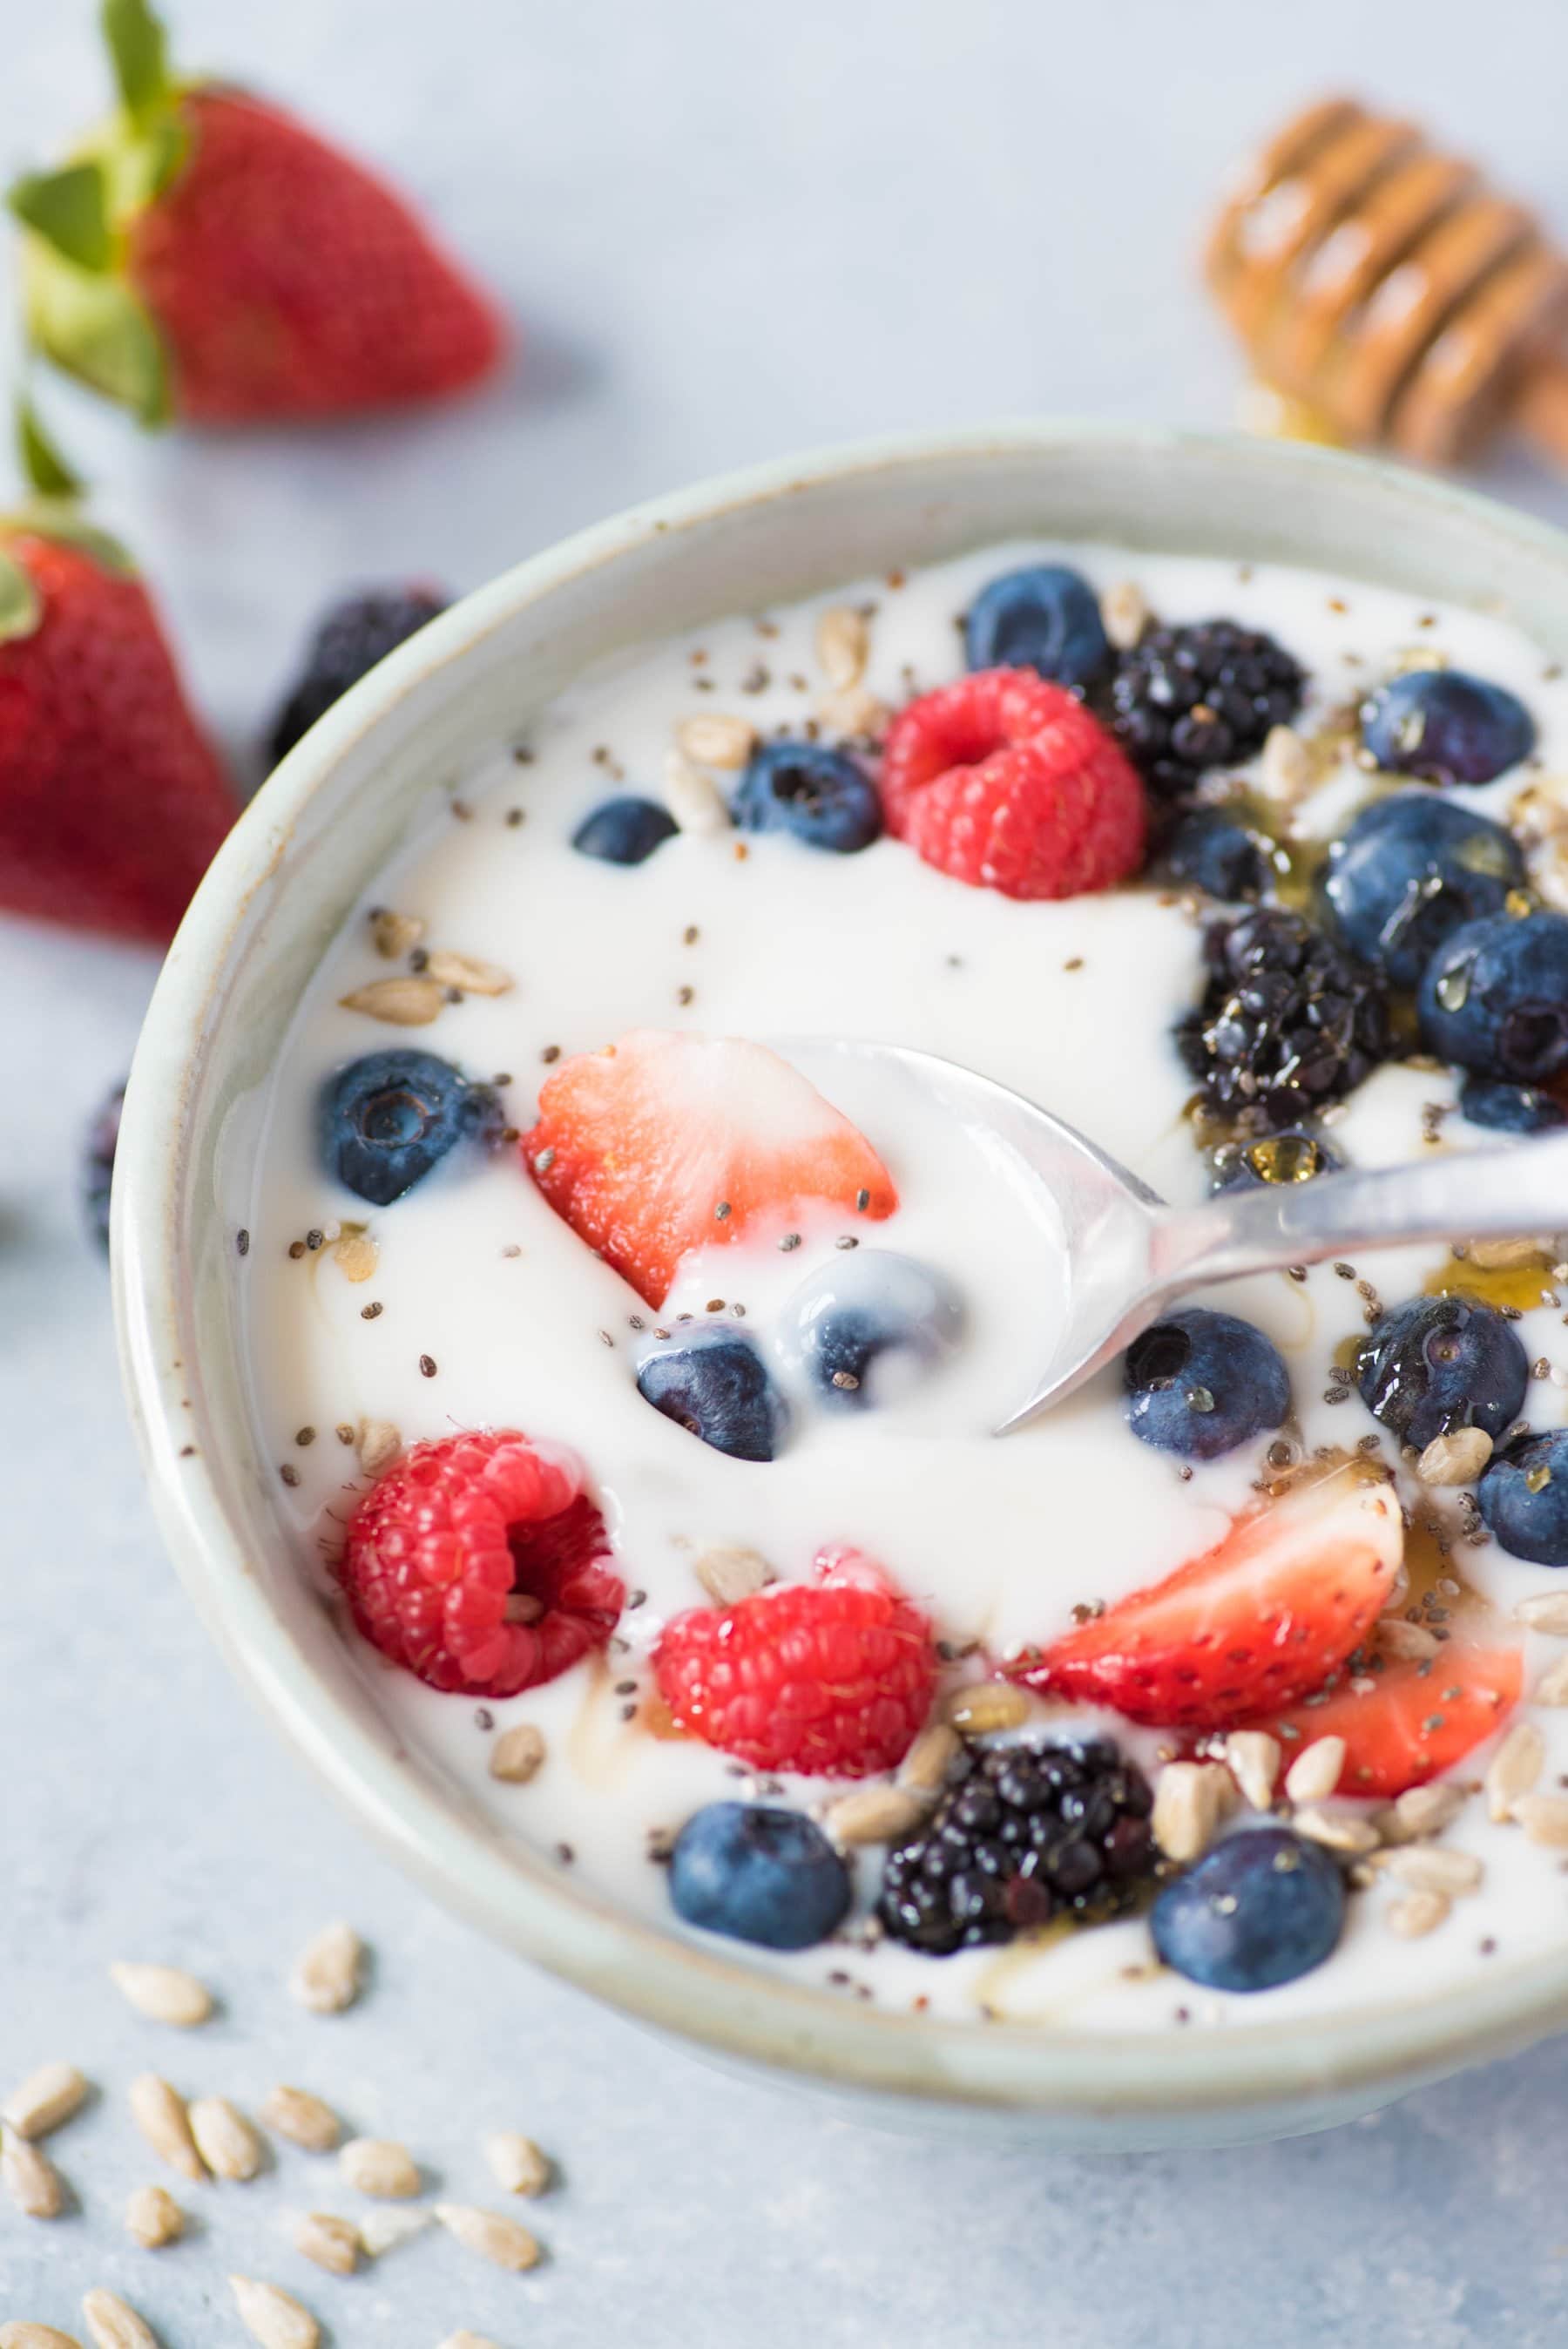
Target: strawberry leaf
[[139, 48], [43, 466], [21, 607], [70, 211], [97, 330]]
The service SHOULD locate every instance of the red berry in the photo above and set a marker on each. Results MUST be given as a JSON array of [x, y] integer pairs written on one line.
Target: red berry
[[833, 1678], [1006, 781], [480, 1563]]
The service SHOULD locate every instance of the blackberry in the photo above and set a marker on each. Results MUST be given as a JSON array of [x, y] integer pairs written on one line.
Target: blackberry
[[350, 638], [1024, 1834], [97, 1163], [1288, 1022], [1185, 700]]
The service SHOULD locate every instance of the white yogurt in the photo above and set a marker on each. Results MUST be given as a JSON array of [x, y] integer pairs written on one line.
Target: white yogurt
[[1069, 1003]]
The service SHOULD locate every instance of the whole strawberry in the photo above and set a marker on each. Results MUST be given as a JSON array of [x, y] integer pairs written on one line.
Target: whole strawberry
[[209, 258], [112, 802]]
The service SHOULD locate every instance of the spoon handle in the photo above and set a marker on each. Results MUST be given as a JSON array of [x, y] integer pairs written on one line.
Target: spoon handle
[[1459, 1194]]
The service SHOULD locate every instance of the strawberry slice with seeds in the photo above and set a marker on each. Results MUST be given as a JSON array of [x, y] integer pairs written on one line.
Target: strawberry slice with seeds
[[665, 1143], [1410, 1721], [1252, 1625]]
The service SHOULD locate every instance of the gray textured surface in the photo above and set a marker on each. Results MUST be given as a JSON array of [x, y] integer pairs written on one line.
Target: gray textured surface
[[730, 231]]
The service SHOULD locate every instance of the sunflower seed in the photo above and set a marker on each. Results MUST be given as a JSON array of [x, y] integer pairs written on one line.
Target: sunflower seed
[[153, 2218], [1411, 1640], [986, 1705], [380, 2166], [924, 1767], [714, 739], [1251, 1757], [30, 2177], [164, 1994], [273, 2317], [379, 1444], [45, 2098], [412, 1002], [355, 1253], [853, 711], [468, 2341], [17, 2333], [1552, 1688], [1456, 1459], [326, 1977], [516, 2163], [382, 2231], [1547, 1612], [729, 1575], [1433, 1867], [693, 798], [1416, 1913], [874, 1815], [468, 973], [1285, 770], [332, 2242], [394, 933], [1514, 1769], [1428, 1810], [158, 2111], [225, 2140], [501, 2241], [1189, 1801], [1544, 1818], [1124, 614], [844, 640], [517, 1754], [304, 2119], [1317, 1770], [114, 2324], [1337, 1830], [1503, 1256]]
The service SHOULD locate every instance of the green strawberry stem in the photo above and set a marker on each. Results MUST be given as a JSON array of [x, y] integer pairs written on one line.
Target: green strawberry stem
[[138, 49], [44, 469]]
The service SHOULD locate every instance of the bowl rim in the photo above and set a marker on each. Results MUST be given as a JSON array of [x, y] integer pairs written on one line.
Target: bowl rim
[[727, 2005]]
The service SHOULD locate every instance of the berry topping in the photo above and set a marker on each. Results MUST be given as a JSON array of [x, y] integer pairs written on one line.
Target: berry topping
[[712, 1380], [1410, 1721], [820, 795], [1523, 1496], [1446, 727], [1287, 1021], [1044, 618], [1409, 871], [1186, 699], [832, 1677], [1261, 1620], [1200, 1383], [1291, 1155], [1495, 998], [97, 1163], [1510, 1109], [1024, 1834], [1436, 1363], [479, 1563], [758, 1875], [866, 1327], [1260, 1908], [348, 642], [1007, 782], [662, 1143], [387, 1118], [1211, 852], [624, 831]]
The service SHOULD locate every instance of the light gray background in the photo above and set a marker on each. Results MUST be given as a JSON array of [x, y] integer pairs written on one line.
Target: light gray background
[[728, 230]]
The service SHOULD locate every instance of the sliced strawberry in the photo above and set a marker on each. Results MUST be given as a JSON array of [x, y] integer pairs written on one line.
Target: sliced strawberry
[[662, 1143], [1258, 1621], [1410, 1721]]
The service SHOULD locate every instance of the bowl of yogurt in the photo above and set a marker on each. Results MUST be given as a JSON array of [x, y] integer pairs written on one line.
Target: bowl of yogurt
[[568, 1375]]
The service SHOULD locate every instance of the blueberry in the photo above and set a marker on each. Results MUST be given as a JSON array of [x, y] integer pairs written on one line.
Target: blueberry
[[1199, 1383], [1260, 1908], [624, 831], [862, 1330], [1222, 857], [98, 1165], [1446, 726], [760, 1875], [1494, 997], [712, 1379], [1044, 618], [1523, 1496], [1409, 870], [387, 1118], [820, 795], [1293, 1154], [1441, 1362], [349, 640], [1509, 1109]]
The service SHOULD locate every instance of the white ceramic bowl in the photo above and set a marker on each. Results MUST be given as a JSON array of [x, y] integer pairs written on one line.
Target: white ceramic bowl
[[265, 913]]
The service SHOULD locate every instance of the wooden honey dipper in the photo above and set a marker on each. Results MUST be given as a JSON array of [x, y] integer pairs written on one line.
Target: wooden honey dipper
[[1392, 290]]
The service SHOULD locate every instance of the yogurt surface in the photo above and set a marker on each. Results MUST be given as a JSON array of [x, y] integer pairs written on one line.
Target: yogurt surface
[[487, 1311]]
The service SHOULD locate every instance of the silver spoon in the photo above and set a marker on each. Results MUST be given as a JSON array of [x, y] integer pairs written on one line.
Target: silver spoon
[[1128, 1255]]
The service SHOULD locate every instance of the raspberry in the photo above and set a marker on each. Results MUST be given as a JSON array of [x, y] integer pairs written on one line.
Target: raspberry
[[1006, 781], [479, 1563], [832, 1677]]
